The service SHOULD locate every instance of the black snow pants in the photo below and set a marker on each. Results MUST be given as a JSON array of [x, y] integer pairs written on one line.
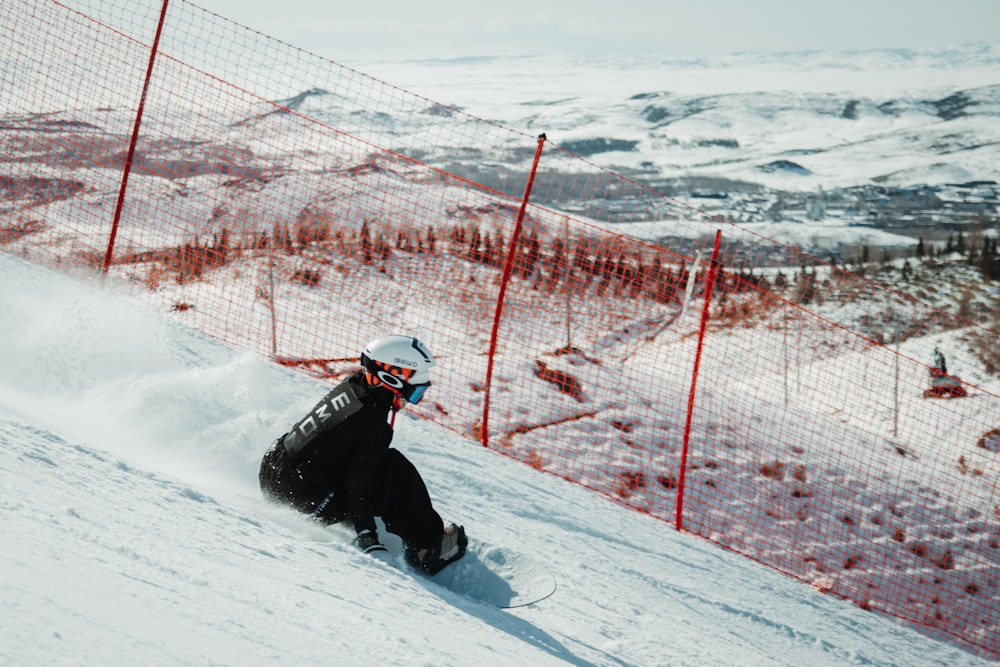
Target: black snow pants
[[400, 498]]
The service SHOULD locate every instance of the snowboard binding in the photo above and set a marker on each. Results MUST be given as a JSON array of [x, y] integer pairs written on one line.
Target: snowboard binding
[[430, 561]]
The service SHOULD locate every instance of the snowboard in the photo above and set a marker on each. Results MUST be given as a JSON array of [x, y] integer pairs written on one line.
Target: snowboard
[[499, 576]]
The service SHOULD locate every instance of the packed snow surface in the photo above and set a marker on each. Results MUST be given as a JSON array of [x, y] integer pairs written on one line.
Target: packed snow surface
[[134, 532]]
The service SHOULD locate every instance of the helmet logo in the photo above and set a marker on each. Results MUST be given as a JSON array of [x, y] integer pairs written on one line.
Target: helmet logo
[[390, 380]]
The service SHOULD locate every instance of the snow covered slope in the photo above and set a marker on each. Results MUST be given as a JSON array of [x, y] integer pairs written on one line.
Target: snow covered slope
[[134, 532]]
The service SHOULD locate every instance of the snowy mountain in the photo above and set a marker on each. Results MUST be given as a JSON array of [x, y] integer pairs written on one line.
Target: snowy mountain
[[725, 136], [134, 532], [787, 121]]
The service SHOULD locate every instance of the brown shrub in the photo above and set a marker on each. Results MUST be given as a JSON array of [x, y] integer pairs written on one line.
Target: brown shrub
[[564, 382]]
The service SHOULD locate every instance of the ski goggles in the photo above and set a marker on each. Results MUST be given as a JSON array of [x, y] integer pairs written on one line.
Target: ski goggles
[[416, 392]]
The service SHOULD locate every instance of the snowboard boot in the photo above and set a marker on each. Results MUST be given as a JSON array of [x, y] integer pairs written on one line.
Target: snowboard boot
[[434, 559]]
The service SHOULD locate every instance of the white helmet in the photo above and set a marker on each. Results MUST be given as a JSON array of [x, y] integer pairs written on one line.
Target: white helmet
[[402, 364]]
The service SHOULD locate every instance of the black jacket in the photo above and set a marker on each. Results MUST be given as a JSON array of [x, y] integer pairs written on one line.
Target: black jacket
[[339, 455]]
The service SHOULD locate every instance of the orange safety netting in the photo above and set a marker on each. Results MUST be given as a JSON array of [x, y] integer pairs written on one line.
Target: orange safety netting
[[283, 203]]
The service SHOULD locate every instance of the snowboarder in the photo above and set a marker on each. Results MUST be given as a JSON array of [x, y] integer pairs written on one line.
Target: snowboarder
[[336, 463], [939, 362], [943, 385]]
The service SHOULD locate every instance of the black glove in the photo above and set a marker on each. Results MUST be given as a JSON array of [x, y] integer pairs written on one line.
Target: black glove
[[368, 542]]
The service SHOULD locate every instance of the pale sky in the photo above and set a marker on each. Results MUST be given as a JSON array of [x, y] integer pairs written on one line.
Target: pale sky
[[396, 29]]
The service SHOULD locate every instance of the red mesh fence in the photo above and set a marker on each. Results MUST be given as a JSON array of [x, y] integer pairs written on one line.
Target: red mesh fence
[[286, 204]]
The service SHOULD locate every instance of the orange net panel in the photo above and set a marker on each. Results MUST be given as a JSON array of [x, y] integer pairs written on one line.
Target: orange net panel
[[286, 204]]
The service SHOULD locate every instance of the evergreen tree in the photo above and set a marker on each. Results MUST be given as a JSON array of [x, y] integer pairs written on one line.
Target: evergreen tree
[[989, 261], [366, 243], [973, 257], [780, 280]]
